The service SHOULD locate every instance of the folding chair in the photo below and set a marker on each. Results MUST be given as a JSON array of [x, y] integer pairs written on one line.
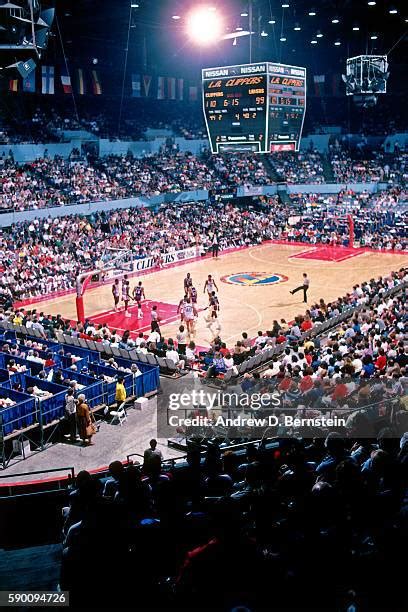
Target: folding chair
[[119, 415]]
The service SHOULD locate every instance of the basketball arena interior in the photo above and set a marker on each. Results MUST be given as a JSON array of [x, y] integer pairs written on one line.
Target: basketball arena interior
[[203, 313]]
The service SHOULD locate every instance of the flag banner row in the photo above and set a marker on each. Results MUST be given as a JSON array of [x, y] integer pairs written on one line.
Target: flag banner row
[[163, 88], [49, 81]]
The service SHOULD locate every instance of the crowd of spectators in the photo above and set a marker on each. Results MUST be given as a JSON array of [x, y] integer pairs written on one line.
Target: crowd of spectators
[[46, 255], [50, 182], [302, 167], [279, 508], [363, 165]]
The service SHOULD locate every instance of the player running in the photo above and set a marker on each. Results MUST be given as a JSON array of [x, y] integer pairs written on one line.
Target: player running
[[115, 293], [210, 285], [138, 296]]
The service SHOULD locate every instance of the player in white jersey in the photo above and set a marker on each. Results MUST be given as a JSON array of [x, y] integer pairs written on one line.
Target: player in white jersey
[[210, 285], [126, 295], [189, 313], [180, 308], [138, 296]]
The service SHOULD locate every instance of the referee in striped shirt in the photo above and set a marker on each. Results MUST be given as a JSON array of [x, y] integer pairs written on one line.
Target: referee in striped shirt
[[304, 286]]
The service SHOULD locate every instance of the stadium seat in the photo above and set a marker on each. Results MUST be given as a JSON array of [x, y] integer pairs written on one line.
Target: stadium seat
[[171, 366], [124, 353], [99, 347], [92, 345], [116, 351], [75, 341], [151, 359], [68, 340], [142, 357], [83, 343], [133, 355], [162, 363]]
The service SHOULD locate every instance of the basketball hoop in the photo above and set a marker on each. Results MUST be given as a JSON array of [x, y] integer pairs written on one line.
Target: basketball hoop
[[113, 263]]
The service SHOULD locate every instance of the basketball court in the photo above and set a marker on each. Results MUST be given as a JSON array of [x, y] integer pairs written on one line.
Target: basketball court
[[253, 288]]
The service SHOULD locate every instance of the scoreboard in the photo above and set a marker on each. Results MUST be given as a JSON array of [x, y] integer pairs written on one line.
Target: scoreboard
[[254, 107]]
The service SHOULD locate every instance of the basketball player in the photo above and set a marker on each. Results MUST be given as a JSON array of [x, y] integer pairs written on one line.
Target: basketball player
[[115, 293], [305, 287], [126, 295], [180, 308], [212, 320], [193, 295], [210, 285], [189, 312], [188, 283], [138, 296], [214, 302]]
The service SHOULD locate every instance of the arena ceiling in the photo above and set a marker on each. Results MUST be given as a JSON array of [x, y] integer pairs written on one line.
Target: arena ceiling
[[98, 29]]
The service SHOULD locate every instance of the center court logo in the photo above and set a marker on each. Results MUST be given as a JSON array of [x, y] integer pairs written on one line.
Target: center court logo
[[254, 279]]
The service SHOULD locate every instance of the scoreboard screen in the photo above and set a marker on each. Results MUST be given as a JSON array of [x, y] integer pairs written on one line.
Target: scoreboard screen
[[254, 107]]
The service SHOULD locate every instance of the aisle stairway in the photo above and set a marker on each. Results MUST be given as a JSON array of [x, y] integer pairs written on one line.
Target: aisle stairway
[[327, 169], [270, 169]]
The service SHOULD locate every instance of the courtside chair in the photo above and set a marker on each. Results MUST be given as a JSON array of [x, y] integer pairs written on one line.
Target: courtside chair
[[119, 415], [151, 359], [124, 353]]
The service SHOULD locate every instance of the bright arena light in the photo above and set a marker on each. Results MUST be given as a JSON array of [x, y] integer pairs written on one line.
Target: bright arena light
[[204, 25]]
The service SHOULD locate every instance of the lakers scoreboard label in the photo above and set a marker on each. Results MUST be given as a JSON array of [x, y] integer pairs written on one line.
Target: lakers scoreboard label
[[254, 279]]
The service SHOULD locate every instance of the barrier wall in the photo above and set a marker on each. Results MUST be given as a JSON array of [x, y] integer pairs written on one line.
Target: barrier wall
[[201, 195]]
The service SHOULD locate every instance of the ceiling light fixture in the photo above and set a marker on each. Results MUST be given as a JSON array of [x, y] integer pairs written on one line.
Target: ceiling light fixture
[[297, 27], [319, 34], [312, 13]]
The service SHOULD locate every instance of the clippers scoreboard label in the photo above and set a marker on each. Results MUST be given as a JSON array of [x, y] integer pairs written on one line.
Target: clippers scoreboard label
[[254, 107]]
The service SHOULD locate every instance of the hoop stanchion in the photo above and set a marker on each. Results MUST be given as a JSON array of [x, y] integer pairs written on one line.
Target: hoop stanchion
[[80, 309]]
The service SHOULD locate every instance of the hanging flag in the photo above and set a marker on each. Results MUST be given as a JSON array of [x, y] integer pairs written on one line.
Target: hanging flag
[[13, 85], [319, 80], [136, 89], [96, 84], [160, 88], [47, 83], [81, 82], [66, 81], [147, 80], [193, 93], [336, 81], [29, 83], [180, 89], [171, 88]]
